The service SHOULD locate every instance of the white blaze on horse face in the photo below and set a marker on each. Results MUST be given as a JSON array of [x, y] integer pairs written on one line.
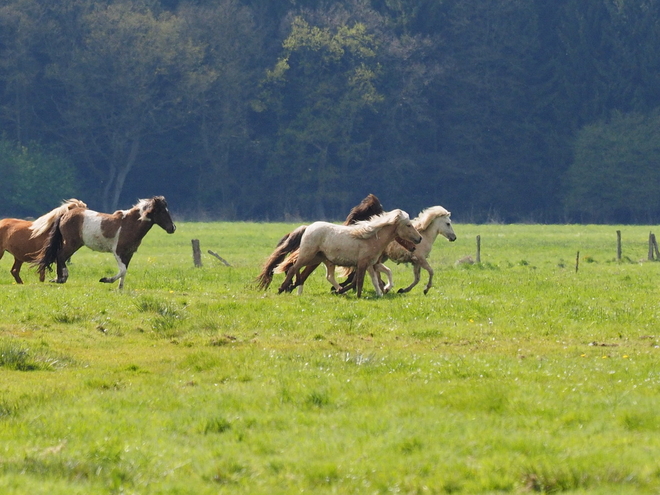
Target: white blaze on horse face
[[92, 234]]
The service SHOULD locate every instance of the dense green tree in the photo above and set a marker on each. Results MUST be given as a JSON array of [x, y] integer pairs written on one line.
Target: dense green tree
[[124, 79], [229, 74], [35, 179], [244, 109], [319, 90], [615, 175]]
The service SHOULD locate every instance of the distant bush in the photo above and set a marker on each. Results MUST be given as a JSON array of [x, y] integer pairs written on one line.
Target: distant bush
[[34, 179]]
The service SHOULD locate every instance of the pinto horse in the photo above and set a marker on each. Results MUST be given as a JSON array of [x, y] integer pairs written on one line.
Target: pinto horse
[[119, 233], [368, 208], [359, 245], [24, 239]]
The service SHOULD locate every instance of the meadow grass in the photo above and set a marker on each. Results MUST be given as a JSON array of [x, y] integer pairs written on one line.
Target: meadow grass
[[514, 375]]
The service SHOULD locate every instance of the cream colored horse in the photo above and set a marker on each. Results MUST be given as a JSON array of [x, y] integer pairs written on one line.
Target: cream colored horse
[[430, 223], [359, 246]]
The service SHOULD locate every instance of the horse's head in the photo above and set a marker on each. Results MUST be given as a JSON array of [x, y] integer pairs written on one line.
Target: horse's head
[[405, 228], [437, 220], [444, 227], [159, 214]]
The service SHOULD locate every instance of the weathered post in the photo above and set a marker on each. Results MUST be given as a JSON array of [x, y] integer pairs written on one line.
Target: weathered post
[[650, 255], [655, 248], [618, 245], [478, 249], [197, 253], [577, 261]]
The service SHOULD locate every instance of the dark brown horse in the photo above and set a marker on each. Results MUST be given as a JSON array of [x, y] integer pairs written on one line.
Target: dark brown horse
[[368, 208], [119, 233], [24, 239]]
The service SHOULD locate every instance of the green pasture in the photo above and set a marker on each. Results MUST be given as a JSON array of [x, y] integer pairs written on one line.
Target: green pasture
[[515, 375]]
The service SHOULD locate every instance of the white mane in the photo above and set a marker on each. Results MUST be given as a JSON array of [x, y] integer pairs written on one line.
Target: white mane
[[368, 228], [144, 206], [44, 222], [424, 219]]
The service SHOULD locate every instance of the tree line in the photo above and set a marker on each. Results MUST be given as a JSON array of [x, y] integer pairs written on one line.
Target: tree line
[[499, 110]]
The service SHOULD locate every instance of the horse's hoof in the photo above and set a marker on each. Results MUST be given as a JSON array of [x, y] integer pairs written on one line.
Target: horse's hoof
[[400, 291], [426, 291], [104, 280]]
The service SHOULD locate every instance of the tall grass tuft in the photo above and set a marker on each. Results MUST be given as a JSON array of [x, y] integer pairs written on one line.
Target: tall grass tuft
[[16, 356]]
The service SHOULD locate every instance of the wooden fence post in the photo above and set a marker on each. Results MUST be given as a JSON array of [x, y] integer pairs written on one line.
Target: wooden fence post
[[577, 261], [197, 253], [653, 248], [618, 245], [478, 249], [650, 255]]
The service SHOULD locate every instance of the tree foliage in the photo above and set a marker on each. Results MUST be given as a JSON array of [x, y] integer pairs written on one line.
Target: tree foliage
[[240, 109]]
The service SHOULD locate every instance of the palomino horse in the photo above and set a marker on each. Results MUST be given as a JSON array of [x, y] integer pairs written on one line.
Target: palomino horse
[[23, 239], [429, 223], [368, 208], [359, 245], [119, 233]]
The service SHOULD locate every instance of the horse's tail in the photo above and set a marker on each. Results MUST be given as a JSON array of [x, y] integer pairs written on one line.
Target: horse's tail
[[287, 263], [288, 244], [44, 223], [48, 254]]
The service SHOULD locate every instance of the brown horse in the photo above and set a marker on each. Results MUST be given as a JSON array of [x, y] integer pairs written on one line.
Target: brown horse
[[24, 239], [359, 245], [119, 233], [368, 208]]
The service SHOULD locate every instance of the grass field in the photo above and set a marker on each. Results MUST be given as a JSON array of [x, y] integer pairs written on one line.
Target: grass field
[[516, 375]]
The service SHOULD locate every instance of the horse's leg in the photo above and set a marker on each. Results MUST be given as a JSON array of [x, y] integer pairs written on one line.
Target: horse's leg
[[62, 270], [122, 264], [359, 279], [381, 268], [374, 280], [289, 277], [416, 271], [350, 280], [301, 278], [345, 287], [16, 270], [428, 268], [330, 275]]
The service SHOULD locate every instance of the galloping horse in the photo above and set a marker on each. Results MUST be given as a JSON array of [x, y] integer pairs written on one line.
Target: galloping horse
[[368, 208], [23, 239], [359, 245], [119, 233], [429, 223]]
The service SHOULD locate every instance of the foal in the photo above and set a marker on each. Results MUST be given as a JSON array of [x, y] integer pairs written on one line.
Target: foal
[[23, 239], [119, 233]]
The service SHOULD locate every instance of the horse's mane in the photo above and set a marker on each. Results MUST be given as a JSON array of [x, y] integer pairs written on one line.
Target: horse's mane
[[368, 207], [368, 228], [425, 217], [44, 222], [146, 206]]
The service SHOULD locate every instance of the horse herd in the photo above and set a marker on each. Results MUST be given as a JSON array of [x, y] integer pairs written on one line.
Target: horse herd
[[368, 238]]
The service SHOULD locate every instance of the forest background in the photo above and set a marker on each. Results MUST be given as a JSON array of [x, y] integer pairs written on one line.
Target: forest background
[[499, 110]]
